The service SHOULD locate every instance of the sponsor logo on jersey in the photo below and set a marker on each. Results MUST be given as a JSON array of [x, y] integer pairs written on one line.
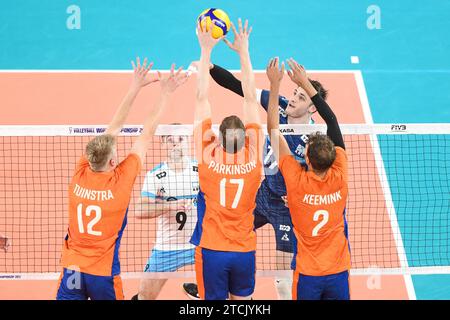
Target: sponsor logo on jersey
[[285, 237]]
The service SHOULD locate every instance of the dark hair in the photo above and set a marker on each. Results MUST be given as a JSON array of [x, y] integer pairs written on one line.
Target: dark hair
[[321, 152], [323, 93], [238, 140]]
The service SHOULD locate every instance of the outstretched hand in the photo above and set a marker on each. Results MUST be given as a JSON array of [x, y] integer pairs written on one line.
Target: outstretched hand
[[205, 38], [297, 73], [273, 71], [141, 78], [170, 82], [240, 43]]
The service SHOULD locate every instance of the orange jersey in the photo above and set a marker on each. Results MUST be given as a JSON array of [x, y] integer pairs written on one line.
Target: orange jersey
[[98, 206], [317, 209], [228, 187]]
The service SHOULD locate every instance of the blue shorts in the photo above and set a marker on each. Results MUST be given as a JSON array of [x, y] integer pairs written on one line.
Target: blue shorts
[[271, 209], [169, 260], [74, 285], [220, 273], [331, 287]]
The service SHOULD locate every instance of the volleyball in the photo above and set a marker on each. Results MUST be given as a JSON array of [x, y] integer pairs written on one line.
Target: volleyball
[[216, 18]]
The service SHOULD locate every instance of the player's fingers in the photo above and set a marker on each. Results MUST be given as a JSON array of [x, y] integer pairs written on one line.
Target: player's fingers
[[228, 43], [282, 68], [144, 65], [199, 28], [290, 74], [138, 63], [245, 26], [178, 71], [250, 31], [234, 29], [172, 69], [240, 25], [296, 65], [275, 63], [182, 79], [149, 67], [159, 75], [289, 62], [133, 65]]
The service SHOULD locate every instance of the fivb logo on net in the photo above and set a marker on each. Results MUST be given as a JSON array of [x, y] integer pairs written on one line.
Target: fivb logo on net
[[398, 127]]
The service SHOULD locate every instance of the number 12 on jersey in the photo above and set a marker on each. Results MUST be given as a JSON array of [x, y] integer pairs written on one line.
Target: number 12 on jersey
[[237, 197], [93, 222]]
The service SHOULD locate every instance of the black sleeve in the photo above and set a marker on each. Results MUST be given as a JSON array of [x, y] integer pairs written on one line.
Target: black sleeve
[[333, 130], [225, 78]]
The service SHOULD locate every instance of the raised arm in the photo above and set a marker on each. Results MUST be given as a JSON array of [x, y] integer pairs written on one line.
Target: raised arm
[[277, 140], [240, 45], [168, 85], [226, 79], [141, 78], [202, 106], [298, 76]]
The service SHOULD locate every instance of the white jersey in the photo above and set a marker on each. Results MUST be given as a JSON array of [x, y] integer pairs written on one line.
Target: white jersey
[[173, 229]]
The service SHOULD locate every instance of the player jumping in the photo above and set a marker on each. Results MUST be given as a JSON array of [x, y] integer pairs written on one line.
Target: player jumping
[[230, 174], [270, 200], [317, 197], [99, 194]]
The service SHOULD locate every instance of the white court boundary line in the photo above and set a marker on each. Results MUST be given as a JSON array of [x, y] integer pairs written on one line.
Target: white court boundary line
[[385, 186]]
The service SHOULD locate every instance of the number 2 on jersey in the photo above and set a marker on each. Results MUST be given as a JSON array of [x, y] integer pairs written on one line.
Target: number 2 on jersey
[[324, 221], [93, 222], [237, 197]]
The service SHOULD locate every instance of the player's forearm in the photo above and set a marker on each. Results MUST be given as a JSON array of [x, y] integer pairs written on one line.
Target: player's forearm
[[226, 79], [278, 142], [149, 209], [122, 112], [202, 108], [203, 74], [248, 78], [272, 110], [333, 130]]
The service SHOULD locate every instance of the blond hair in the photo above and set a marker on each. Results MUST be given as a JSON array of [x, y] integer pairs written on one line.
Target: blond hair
[[99, 150]]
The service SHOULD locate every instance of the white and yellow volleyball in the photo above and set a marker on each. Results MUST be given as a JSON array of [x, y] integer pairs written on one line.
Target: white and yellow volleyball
[[217, 19]]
